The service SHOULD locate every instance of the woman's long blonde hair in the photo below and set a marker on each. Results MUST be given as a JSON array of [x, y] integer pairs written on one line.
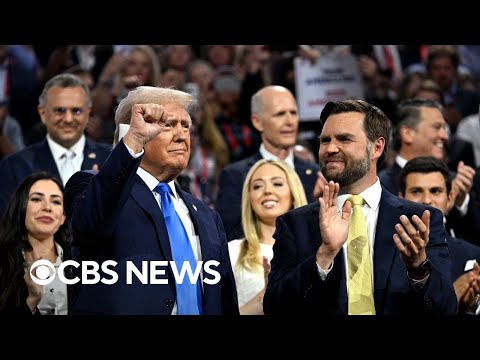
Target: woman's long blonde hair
[[250, 254]]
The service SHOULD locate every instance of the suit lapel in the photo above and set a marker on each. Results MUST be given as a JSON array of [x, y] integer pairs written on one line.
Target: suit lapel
[[384, 248], [144, 197], [303, 169], [44, 159], [89, 155], [199, 224], [253, 159]]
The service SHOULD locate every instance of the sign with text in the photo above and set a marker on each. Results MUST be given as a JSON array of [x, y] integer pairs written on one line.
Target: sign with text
[[331, 78]]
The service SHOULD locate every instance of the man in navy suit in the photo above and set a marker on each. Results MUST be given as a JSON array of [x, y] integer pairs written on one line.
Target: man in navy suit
[[64, 107], [426, 180], [275, 116], [116, 214], [408, 252], [421, 131]]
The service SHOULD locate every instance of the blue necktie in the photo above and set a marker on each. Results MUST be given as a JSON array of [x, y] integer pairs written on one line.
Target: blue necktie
[[189, 296]]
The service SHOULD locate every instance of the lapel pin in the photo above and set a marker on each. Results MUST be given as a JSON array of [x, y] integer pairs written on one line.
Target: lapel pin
[[308, 171], [92, 155], [194, 207]]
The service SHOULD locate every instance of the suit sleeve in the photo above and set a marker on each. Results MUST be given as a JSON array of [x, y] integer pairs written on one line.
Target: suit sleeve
[[228, 203], [93, 200], [295, 287], [439, 296], [229, 292]]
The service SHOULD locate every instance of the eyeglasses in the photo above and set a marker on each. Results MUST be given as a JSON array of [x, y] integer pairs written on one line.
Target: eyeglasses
[[63, 110]]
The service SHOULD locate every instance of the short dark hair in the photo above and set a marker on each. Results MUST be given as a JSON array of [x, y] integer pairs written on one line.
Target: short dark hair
[[376, 124], [425, 165], [408, 115]]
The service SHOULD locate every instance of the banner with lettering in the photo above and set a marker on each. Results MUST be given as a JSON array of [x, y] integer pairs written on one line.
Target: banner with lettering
[[331, 78]]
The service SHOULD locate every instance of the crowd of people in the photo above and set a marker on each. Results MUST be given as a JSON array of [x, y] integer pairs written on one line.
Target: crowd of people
[[180, 155]]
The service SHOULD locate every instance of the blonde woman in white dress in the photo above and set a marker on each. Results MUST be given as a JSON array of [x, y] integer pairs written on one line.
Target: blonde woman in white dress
[[271, 188]]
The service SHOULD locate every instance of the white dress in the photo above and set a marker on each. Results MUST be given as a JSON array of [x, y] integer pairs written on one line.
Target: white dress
[[249, 283]]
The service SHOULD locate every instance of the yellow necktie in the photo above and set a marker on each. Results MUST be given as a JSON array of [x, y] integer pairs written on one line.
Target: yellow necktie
[[360, 292]]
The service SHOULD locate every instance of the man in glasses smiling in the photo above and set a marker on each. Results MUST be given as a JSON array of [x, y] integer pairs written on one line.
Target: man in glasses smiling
[[64, 107]]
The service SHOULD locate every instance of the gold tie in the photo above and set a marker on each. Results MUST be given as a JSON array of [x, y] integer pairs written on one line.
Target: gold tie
[[360, 292]]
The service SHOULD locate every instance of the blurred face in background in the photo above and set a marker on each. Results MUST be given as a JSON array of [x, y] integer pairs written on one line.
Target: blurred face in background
[[270, 193], [202, 75], [430, 137], [278, 119], [138, 68], [179, 56], [443, 72], [65, 114]]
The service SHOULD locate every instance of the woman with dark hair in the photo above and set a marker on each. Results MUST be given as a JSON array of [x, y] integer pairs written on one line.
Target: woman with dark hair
[[33, 227]]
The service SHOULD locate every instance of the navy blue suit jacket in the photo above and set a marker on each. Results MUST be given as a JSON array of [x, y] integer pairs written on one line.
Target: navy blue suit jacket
[[460, 252], [114, 216], [229, 199], [295, 287], [37, 157], [463, 225]]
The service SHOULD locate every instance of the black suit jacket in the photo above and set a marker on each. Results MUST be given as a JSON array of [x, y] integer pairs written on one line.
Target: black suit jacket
[[295, 286], [229, 198], [38, 157]]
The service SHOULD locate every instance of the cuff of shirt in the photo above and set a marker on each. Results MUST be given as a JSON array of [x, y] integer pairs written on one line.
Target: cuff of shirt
[[323, 273], [464, 207], [133, 154]]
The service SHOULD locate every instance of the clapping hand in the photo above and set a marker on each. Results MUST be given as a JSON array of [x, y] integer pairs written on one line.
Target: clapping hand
[[411, 238]]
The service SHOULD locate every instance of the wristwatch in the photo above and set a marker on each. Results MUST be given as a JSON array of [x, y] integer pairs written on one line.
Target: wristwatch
[[421, 270]]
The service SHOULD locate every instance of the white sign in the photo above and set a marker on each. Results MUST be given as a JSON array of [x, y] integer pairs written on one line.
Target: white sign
[[331, 78]]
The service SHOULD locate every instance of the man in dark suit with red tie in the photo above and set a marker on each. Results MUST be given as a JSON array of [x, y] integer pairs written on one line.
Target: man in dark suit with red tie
[[119, 213]]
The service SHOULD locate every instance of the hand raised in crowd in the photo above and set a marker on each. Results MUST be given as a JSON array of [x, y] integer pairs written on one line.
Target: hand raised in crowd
[[412, 237], [146, 123], [463, 182], [333, 226]]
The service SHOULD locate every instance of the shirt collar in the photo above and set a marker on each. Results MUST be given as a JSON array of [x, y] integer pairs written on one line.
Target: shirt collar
[[371, 196], [269, 156], [151, 181], [58, 150], [401, 161]]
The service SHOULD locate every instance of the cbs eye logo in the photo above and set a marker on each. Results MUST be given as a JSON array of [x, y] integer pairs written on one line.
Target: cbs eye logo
[[42, 272]]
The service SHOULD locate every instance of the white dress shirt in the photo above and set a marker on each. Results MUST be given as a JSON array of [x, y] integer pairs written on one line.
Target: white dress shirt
[[269, 156], [58, 150], [180, 208]]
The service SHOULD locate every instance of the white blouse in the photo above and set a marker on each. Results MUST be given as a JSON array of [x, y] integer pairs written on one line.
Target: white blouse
[[249, 283]]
